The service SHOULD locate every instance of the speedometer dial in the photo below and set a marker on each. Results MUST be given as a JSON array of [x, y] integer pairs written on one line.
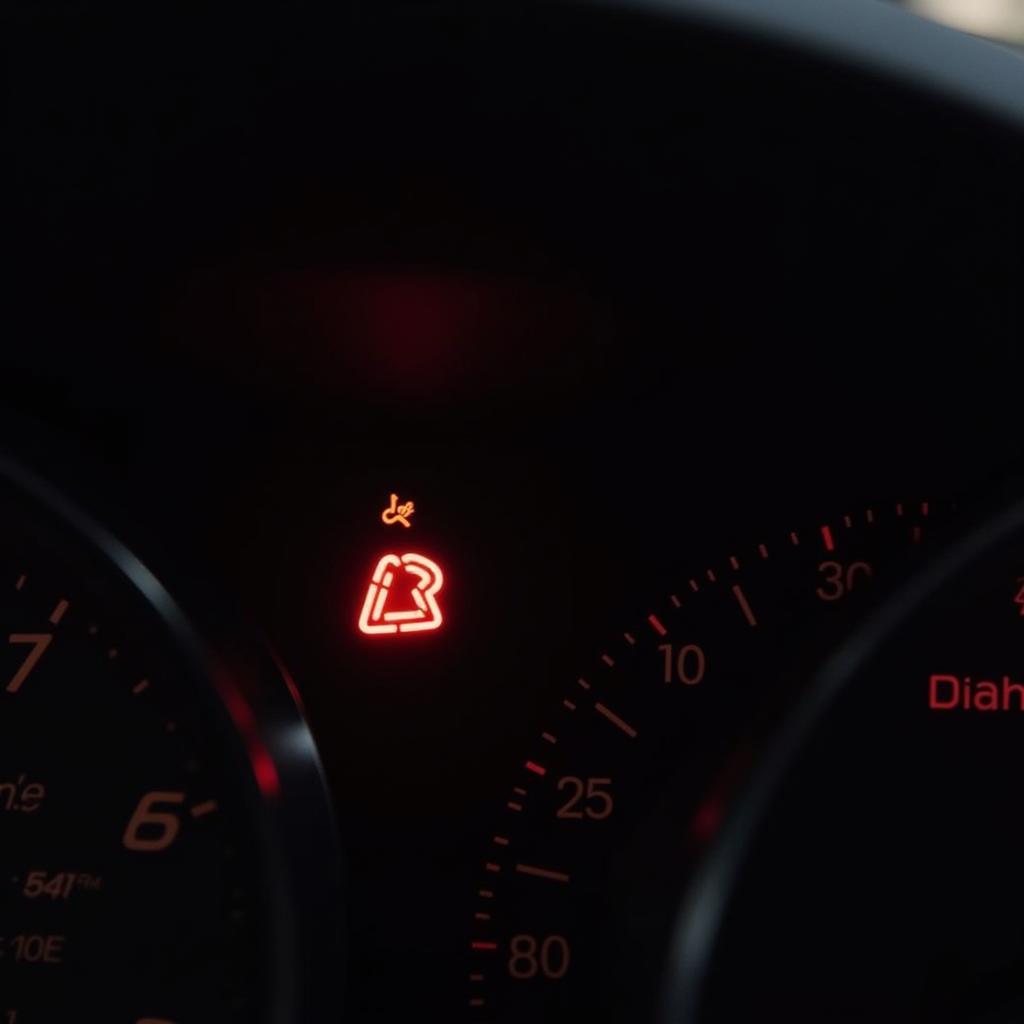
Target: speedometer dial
[[628, 776], [136, 798]]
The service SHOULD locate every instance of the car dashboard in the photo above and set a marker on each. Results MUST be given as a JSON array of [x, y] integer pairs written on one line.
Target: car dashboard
[[510, 513]]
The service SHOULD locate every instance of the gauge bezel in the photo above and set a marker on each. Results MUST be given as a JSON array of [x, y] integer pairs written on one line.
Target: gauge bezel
[[298, 834]]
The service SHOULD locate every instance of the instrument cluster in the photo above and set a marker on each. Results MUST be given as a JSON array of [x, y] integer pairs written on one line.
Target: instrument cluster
[[509, 515]]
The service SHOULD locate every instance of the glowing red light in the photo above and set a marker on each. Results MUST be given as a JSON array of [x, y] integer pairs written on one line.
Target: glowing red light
[[263, 767], [708, 819], [378, 617]]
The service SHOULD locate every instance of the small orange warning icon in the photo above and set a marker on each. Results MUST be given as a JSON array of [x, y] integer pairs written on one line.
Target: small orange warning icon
[[425, 614]]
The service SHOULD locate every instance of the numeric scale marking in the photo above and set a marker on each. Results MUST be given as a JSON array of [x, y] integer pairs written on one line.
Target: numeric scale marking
[[602, 709]]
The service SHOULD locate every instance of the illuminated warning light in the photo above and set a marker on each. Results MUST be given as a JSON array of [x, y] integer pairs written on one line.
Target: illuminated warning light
[[378, 617], [396, 513]]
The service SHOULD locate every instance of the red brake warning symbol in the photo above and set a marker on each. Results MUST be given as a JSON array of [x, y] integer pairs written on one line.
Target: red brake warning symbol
[[377, 617]]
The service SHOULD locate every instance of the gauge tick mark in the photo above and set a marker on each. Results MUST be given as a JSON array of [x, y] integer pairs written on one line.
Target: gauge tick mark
[[535, 872], [741, 600], [615, 720]]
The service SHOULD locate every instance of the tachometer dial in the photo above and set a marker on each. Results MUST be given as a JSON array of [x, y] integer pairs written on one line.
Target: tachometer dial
[[142, 876]]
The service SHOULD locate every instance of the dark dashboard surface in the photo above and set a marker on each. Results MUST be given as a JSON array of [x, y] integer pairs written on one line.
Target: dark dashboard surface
[[616, 293]]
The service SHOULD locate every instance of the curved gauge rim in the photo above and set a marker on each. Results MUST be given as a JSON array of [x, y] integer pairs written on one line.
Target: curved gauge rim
[[701, 917], [874, 37], [296, 823]]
